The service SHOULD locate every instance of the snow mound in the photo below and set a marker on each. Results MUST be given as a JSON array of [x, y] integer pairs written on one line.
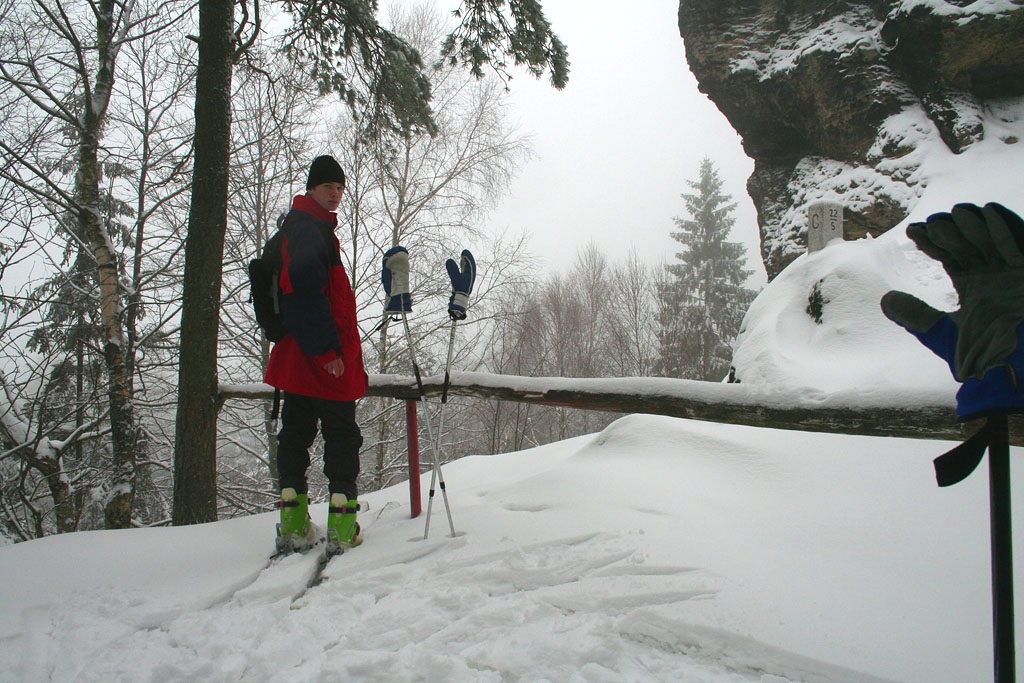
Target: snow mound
[[818, 325]]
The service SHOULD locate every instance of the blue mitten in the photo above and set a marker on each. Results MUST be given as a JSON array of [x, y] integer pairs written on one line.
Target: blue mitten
[[463, 275], [982, 250], [394, 275]]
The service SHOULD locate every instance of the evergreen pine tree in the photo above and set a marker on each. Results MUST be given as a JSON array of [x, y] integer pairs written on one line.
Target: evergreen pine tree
[[703, 297]]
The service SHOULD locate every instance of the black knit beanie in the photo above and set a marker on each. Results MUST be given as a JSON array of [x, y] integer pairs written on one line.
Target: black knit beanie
[[324, 170]]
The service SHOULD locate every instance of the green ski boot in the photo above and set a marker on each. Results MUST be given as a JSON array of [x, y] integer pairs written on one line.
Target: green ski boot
[[296, 531], [343, 531]]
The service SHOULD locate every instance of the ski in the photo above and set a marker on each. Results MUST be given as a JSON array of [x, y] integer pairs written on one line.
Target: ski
[[332, 548], [329, 554], [323, 559], [288, 572], [280, 577]]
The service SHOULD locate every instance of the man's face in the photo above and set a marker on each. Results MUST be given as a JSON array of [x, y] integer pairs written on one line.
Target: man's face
[[328, 195]]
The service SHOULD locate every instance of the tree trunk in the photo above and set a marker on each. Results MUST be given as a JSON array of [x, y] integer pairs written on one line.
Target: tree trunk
[[118, 509], [64, 504], [195, 452], [121, 489]]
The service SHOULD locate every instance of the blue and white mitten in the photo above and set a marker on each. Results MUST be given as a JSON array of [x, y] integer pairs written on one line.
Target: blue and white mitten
[[394, 276], [462, 275]]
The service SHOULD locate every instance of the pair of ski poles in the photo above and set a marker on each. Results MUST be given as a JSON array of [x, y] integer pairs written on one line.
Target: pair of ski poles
[[395, 278]]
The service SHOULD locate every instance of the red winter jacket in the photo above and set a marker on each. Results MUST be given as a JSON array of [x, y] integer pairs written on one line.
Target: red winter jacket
[[319, 311]]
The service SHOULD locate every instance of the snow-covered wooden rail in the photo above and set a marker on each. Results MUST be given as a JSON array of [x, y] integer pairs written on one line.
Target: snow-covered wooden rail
[[911, 413]]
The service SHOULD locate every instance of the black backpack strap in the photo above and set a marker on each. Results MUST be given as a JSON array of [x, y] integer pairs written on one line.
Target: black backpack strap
[[276, 409]]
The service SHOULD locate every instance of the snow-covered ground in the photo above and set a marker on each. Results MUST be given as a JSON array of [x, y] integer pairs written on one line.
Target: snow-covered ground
[[659, 549]]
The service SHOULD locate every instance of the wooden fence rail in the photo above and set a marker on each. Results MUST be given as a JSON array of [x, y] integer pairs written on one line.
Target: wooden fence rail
[[911, 414]]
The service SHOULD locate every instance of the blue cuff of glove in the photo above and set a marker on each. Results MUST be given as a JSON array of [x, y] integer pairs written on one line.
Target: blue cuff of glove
[[998, 391], [399, 304]]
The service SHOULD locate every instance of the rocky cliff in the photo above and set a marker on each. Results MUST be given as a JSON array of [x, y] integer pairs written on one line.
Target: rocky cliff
[[832, 99]]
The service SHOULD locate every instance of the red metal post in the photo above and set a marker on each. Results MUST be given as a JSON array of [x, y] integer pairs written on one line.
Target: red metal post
[[412, 437]]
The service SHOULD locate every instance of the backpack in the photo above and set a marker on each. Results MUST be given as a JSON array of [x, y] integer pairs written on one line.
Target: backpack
[[264, 290]]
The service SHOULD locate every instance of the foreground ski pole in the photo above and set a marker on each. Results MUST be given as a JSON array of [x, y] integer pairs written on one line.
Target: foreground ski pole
[[436, 447], [982, 251], [462, 275], [395, 278], [436, 476], [952, 468], [444, 387]]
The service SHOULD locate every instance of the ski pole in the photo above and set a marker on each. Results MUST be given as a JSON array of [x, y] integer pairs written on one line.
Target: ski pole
[[462, 275], [952, 468], [447, 382], [1002, 550], [440, 419], [436, 474]]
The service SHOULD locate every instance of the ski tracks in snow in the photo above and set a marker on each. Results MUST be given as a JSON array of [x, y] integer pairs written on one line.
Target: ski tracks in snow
[[527, 612], [581, 608]]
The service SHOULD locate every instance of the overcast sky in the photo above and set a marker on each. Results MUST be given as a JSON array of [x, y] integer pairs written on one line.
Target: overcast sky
[[615, 148]]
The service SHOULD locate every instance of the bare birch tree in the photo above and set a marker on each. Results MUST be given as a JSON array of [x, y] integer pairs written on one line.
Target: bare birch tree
[[59, 62], [596, 320], [92, 208], [633, 323]]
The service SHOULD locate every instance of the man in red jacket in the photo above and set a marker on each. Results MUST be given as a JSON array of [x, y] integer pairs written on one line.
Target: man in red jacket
[[318, 366]]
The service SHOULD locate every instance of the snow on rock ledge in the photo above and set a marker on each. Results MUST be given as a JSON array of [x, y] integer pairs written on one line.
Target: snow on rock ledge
[[811, 88]]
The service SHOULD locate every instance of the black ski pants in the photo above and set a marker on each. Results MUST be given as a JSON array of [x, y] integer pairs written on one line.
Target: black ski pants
[[342, 441]]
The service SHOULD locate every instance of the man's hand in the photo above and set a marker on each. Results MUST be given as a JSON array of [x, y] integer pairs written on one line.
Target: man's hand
[[336, 368], [982, 251]]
